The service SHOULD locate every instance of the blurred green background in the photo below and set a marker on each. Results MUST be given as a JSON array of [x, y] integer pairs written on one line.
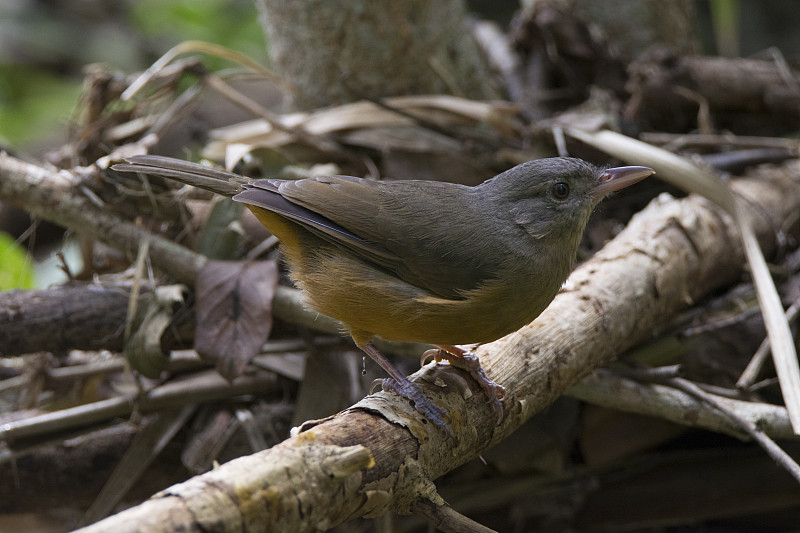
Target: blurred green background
[[45, 45]]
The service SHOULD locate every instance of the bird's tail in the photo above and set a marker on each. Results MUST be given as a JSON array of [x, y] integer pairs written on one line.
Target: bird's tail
[[211, 179]]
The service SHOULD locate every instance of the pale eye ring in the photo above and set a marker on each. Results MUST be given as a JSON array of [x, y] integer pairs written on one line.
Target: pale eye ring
[[560, 190]]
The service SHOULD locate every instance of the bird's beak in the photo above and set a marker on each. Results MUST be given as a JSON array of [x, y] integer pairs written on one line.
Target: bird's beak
[[614, 179]]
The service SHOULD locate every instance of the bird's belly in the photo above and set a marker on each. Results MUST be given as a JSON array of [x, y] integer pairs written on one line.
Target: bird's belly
[[374, 303]]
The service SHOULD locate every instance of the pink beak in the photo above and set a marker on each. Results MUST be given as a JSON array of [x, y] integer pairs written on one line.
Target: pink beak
[[614, 179]]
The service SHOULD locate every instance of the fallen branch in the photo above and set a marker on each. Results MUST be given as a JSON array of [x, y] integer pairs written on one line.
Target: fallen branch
[[61, 318], [652, 399], [741, 95], [205, 386]]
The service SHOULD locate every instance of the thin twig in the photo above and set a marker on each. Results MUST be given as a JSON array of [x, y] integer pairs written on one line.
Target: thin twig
[[204, 387], [773, 450], [750, 373], [753, 430], [680, 140]]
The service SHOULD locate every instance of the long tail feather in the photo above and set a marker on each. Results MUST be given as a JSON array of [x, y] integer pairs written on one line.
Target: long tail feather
[[210, 179]]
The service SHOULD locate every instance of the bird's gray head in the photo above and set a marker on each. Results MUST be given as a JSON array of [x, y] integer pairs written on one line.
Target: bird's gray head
[[553, 198]]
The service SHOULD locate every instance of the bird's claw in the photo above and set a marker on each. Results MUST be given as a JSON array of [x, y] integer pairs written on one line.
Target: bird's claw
[[433, 353], [467, 361], [375, 383]]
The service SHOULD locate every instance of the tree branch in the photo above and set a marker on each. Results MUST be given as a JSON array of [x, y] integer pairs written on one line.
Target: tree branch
[[652, 399]]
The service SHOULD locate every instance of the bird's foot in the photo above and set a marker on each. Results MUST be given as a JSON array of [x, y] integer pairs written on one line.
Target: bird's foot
[[467, 361], [399, 383], [428, 409]]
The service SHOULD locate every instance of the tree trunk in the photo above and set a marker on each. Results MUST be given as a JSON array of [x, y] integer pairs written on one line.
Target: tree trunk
[[333, 52]]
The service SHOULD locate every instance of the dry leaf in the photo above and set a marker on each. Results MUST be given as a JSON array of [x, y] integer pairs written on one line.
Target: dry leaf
[[234, 312]]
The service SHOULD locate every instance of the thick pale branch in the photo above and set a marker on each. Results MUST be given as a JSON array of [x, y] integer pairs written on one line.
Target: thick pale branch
[[671, 254], [665, 402]]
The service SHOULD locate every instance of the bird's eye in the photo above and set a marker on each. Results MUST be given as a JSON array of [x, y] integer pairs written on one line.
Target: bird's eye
[[561, 190]]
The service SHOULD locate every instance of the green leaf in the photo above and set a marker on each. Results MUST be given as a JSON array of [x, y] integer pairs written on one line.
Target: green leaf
[[233, 24], [16, 269]]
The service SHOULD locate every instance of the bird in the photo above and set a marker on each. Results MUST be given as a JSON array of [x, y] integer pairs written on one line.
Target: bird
[[422, 261]]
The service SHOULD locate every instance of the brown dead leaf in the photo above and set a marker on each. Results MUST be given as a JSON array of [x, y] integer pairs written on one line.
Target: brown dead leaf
[[234, 312]]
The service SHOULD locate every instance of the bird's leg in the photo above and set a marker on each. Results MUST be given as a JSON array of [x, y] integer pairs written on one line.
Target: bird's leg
[[467, 361], [398, 382]]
